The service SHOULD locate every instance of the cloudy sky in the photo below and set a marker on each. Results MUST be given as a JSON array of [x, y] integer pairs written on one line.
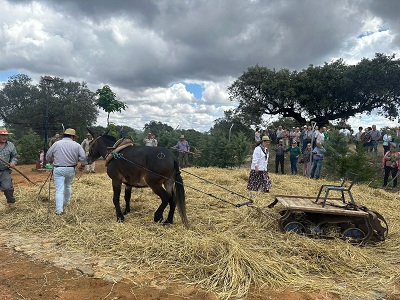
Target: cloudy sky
[[172, 60]]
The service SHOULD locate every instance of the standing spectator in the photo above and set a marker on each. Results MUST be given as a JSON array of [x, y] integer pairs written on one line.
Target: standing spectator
[[285, 138], [297, 136], [279, 132], [345, 131], [54, 139], [259, 177], [307, 137], [307, 160], [319, 135], [292, 134], [315, 133], [318, 156], [149, 140], [397, 139], [8, 153], [280, 157], [272, 135], [325, 131], [85, 145], [257, 136], [358, 137], [183, 148], [294, 156], [155, 142], [65, 155], [375, 137], [391, 164], [367, 138], [387, 140], [41, 159]]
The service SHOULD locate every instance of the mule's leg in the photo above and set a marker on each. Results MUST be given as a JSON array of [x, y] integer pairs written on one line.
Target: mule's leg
[[168, 185], [172, 207], [165, 200], [128, 193], [117, 193]]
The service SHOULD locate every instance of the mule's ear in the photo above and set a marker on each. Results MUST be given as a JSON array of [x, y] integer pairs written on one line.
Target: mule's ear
[[107, 131], [91, 132]]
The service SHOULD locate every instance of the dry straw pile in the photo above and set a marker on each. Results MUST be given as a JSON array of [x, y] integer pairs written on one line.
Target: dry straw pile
[[227, 250]]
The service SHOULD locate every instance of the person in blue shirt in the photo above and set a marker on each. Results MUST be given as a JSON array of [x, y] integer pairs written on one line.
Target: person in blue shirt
[[318, 156]]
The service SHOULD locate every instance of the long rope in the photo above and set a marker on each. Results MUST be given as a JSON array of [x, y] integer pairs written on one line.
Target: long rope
[[206, 180], [120, 155]]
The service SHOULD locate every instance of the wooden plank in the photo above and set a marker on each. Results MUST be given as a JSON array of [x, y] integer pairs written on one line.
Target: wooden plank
[[307, 204]]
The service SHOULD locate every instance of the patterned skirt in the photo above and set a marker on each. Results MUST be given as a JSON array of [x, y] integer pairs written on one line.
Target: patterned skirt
[[259, 180]]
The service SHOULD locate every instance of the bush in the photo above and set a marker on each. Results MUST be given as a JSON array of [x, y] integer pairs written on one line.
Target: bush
[[28, 147]]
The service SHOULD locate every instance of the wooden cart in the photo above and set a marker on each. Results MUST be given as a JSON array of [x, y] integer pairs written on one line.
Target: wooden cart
[[330, 219]]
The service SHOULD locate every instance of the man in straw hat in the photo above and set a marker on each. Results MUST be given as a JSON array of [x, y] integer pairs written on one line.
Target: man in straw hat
[[8, 153], [259, 178], [65, 155], [183, 148]]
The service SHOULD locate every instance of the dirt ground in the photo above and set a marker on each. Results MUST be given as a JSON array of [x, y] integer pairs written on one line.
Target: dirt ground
[[23, 277]]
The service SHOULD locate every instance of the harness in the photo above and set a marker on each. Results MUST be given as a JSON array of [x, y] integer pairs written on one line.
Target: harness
[[118, 146]]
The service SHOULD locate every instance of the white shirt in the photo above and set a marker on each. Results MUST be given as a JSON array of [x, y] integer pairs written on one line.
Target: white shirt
[[260, 159], [345, 131], [387, 138]]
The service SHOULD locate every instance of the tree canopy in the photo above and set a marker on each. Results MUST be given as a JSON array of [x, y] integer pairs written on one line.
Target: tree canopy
[[108, 102], [320, 93], [24, 105]]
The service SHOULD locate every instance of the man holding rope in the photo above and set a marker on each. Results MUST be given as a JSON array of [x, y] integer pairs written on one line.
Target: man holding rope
[[65, 155], [8, 155]]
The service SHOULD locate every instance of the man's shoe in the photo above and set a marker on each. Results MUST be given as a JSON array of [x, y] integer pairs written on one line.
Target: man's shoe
[[92, 171], [59, 213]]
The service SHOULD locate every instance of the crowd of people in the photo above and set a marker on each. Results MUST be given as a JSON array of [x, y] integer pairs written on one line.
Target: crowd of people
[[306, 147]]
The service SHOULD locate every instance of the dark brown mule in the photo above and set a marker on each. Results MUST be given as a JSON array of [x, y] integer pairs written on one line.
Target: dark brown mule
[[142, 166]]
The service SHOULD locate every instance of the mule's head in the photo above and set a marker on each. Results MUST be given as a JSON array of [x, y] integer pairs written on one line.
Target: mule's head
[[98, 147], [94, 151]]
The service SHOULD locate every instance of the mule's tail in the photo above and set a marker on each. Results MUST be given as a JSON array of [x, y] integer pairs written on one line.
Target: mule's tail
[[179, 195]]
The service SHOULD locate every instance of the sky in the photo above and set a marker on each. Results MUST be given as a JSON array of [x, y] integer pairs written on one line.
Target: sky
[[171, 61]]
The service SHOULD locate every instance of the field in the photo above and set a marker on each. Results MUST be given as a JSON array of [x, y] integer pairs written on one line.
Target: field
[[228, 252]]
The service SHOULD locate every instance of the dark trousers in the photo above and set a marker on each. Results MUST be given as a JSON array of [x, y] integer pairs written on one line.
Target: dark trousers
[[293, 165], [389, 170], [279, 159]]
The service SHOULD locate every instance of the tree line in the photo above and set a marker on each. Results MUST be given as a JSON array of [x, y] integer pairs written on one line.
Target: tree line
[[319, 93]]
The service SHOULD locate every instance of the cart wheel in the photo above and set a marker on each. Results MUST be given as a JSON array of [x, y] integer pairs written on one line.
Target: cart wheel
[[354, 235], [295, 227]]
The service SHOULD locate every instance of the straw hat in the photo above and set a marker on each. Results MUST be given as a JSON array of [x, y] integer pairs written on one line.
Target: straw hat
[[70, 131], [265, 138], [3, 130]]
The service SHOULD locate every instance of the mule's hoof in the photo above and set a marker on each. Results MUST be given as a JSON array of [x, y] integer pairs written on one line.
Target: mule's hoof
[[120, 219], [126, 212], [158, 220], [166, 223]]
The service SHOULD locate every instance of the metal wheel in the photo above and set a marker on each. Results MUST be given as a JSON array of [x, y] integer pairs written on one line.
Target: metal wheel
[[354, 235], [295, 227]]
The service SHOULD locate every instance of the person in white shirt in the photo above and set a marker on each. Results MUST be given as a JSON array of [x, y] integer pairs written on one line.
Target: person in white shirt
[[259, 178], [345, 131], [387, 140]]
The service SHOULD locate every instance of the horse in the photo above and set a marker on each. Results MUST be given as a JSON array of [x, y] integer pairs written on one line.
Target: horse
[[142, 166]]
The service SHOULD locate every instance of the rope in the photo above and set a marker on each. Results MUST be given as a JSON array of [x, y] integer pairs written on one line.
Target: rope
[[120, 155], [232, 192]]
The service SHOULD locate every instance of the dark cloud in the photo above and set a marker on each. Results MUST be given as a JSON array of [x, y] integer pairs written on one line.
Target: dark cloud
[[139, 45]]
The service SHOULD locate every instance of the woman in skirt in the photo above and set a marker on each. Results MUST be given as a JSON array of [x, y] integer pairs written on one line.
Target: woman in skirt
[[259, 178]]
